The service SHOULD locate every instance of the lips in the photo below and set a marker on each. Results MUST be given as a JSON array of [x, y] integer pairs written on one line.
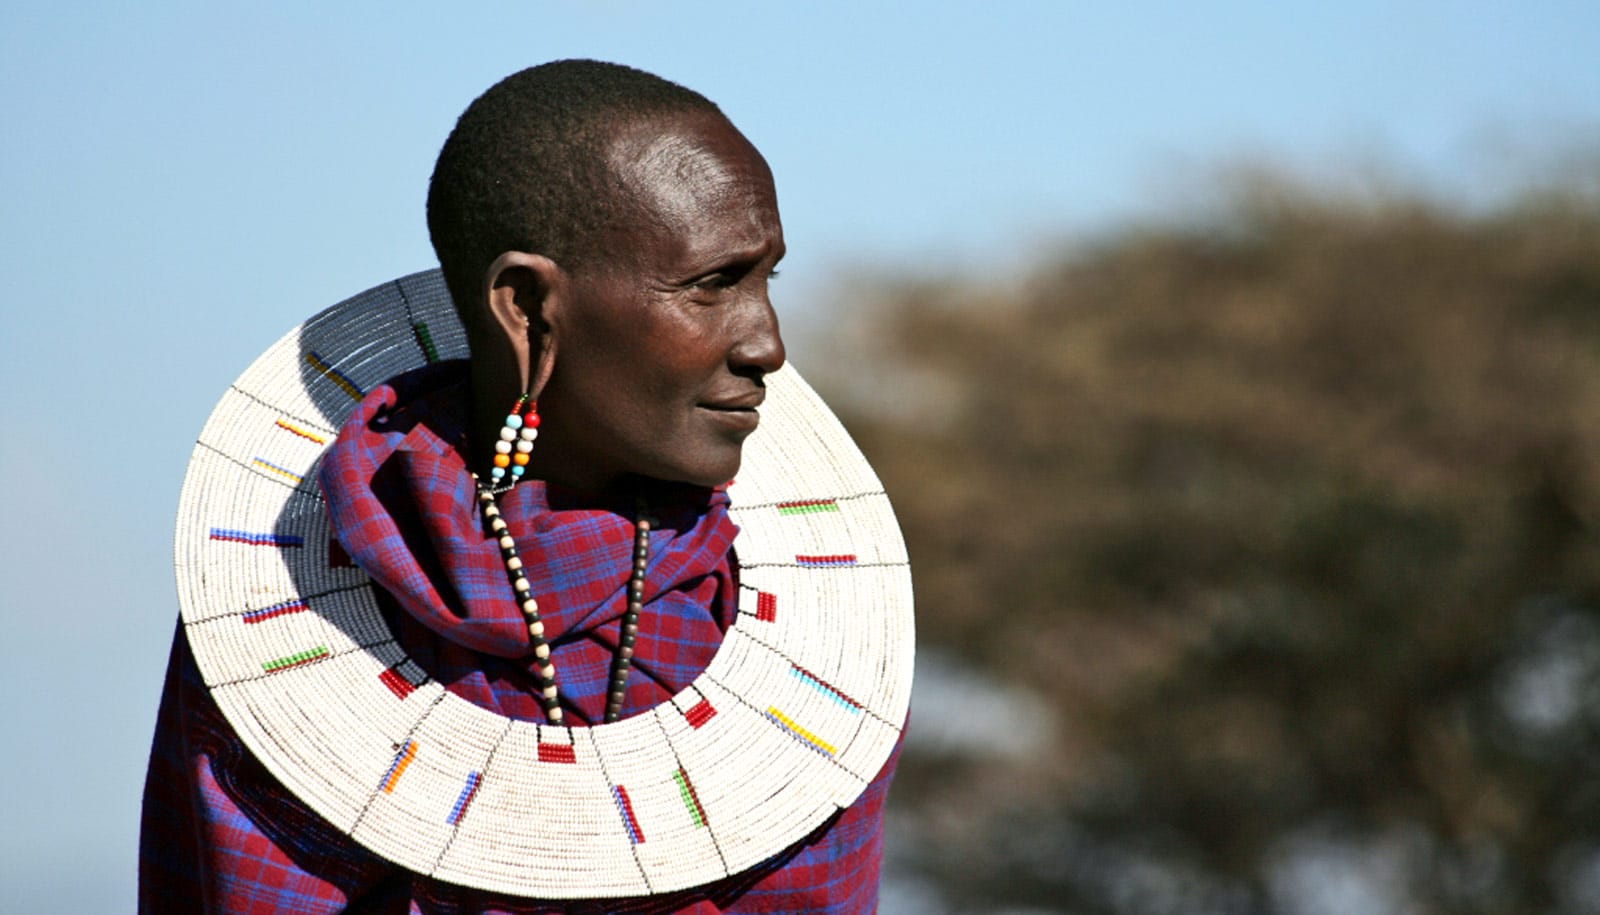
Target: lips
[[736, 413], [742, 402]]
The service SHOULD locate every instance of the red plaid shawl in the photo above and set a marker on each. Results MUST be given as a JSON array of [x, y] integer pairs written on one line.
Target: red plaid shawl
[[219, 833]]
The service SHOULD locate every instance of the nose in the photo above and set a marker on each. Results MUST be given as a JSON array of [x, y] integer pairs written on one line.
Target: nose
[[759, 349]]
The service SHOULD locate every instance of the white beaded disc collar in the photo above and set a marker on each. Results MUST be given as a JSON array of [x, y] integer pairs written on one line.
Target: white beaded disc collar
[[794, 716]]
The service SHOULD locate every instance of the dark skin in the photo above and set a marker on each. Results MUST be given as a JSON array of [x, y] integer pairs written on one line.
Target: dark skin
[[649, 359]]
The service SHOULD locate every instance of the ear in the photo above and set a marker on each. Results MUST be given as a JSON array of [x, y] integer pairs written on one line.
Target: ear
[[525, 293]]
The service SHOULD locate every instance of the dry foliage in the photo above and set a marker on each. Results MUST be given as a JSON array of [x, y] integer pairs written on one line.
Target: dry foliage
[[1292, 516]]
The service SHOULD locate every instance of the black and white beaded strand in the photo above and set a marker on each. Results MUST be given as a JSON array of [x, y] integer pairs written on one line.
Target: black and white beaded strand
[[544, 668], [510, 461]]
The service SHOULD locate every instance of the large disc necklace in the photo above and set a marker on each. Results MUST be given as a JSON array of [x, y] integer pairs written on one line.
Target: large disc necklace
[[794, 716]]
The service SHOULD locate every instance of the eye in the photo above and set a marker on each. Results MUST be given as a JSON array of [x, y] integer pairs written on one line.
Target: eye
[[728, 276], [720, 280]]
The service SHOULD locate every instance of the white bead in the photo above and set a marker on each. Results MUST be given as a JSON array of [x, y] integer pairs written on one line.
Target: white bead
[[542, 651], [529, 433], [530, 606], [502, 447], [523, 446], [507, 543], [536, 628], [550, 692], [508, 434], [520, 584], [514, 563]]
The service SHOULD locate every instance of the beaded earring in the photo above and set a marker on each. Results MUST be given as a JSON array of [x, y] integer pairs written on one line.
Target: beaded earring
[[516, 442], [511, 453]]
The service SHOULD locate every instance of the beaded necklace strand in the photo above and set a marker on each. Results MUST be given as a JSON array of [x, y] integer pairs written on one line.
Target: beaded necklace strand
[[545, 671], [511, 454]]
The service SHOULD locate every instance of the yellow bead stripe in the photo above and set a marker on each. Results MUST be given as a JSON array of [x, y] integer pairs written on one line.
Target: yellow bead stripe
[[284, 472], [334, 375], [789, 725], [287, 426]]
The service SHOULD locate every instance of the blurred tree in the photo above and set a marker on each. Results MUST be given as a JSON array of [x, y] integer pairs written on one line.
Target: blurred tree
[[1291, 515]]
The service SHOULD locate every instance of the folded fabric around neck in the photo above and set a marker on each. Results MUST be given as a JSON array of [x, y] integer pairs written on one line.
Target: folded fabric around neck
[[400, 499]]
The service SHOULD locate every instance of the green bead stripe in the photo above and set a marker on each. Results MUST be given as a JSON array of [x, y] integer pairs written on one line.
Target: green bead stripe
[[690, 802], [425, 340], [808, 508], [299, 657]]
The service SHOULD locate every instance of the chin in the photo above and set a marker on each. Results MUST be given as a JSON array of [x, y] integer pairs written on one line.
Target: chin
[[709, 475]]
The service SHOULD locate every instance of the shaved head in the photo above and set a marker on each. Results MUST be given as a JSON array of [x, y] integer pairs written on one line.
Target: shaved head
[[528, 168]]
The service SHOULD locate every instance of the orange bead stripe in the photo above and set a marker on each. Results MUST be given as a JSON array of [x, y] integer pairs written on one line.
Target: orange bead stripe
[[398, 767]]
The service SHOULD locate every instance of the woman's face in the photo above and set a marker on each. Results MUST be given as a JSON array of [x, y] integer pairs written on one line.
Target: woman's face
[[662, 344]]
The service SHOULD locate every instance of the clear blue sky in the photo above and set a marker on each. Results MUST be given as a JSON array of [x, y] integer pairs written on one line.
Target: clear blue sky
[[185, 181]]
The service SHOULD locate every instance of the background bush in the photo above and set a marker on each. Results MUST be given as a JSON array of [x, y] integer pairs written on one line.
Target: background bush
[[1288, 514]]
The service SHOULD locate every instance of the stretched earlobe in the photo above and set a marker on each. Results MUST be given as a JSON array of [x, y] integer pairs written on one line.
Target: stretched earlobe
[[525, 292], [543, 364]]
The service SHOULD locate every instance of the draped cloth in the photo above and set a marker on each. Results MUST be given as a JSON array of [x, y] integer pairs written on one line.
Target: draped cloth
[[220, 834], [402, 502]]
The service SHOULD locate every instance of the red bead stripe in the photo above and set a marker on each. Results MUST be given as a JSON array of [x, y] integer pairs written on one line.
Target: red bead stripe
[[699, 713], [397, 683], [625, 807], [557, 753], [828, 559], [766, 606], [267, 613]]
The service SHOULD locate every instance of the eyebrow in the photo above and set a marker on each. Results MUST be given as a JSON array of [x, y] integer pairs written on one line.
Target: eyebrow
[[740, 262]]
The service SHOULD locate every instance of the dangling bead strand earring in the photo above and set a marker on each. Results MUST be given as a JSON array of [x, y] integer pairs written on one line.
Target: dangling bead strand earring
[[511, 455], [516, 443], [511, 460]]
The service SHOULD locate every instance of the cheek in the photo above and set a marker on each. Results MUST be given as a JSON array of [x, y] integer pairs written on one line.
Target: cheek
[[640, 378], [650, 404], [678, 363]]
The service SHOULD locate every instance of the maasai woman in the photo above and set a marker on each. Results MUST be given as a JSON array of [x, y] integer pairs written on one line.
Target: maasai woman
[[545, 531]]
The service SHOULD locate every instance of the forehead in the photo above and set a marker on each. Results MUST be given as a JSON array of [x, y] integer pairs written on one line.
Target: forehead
[[694, 181]]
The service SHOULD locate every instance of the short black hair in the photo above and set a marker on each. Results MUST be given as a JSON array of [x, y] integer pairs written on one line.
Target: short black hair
[[525, 167]]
